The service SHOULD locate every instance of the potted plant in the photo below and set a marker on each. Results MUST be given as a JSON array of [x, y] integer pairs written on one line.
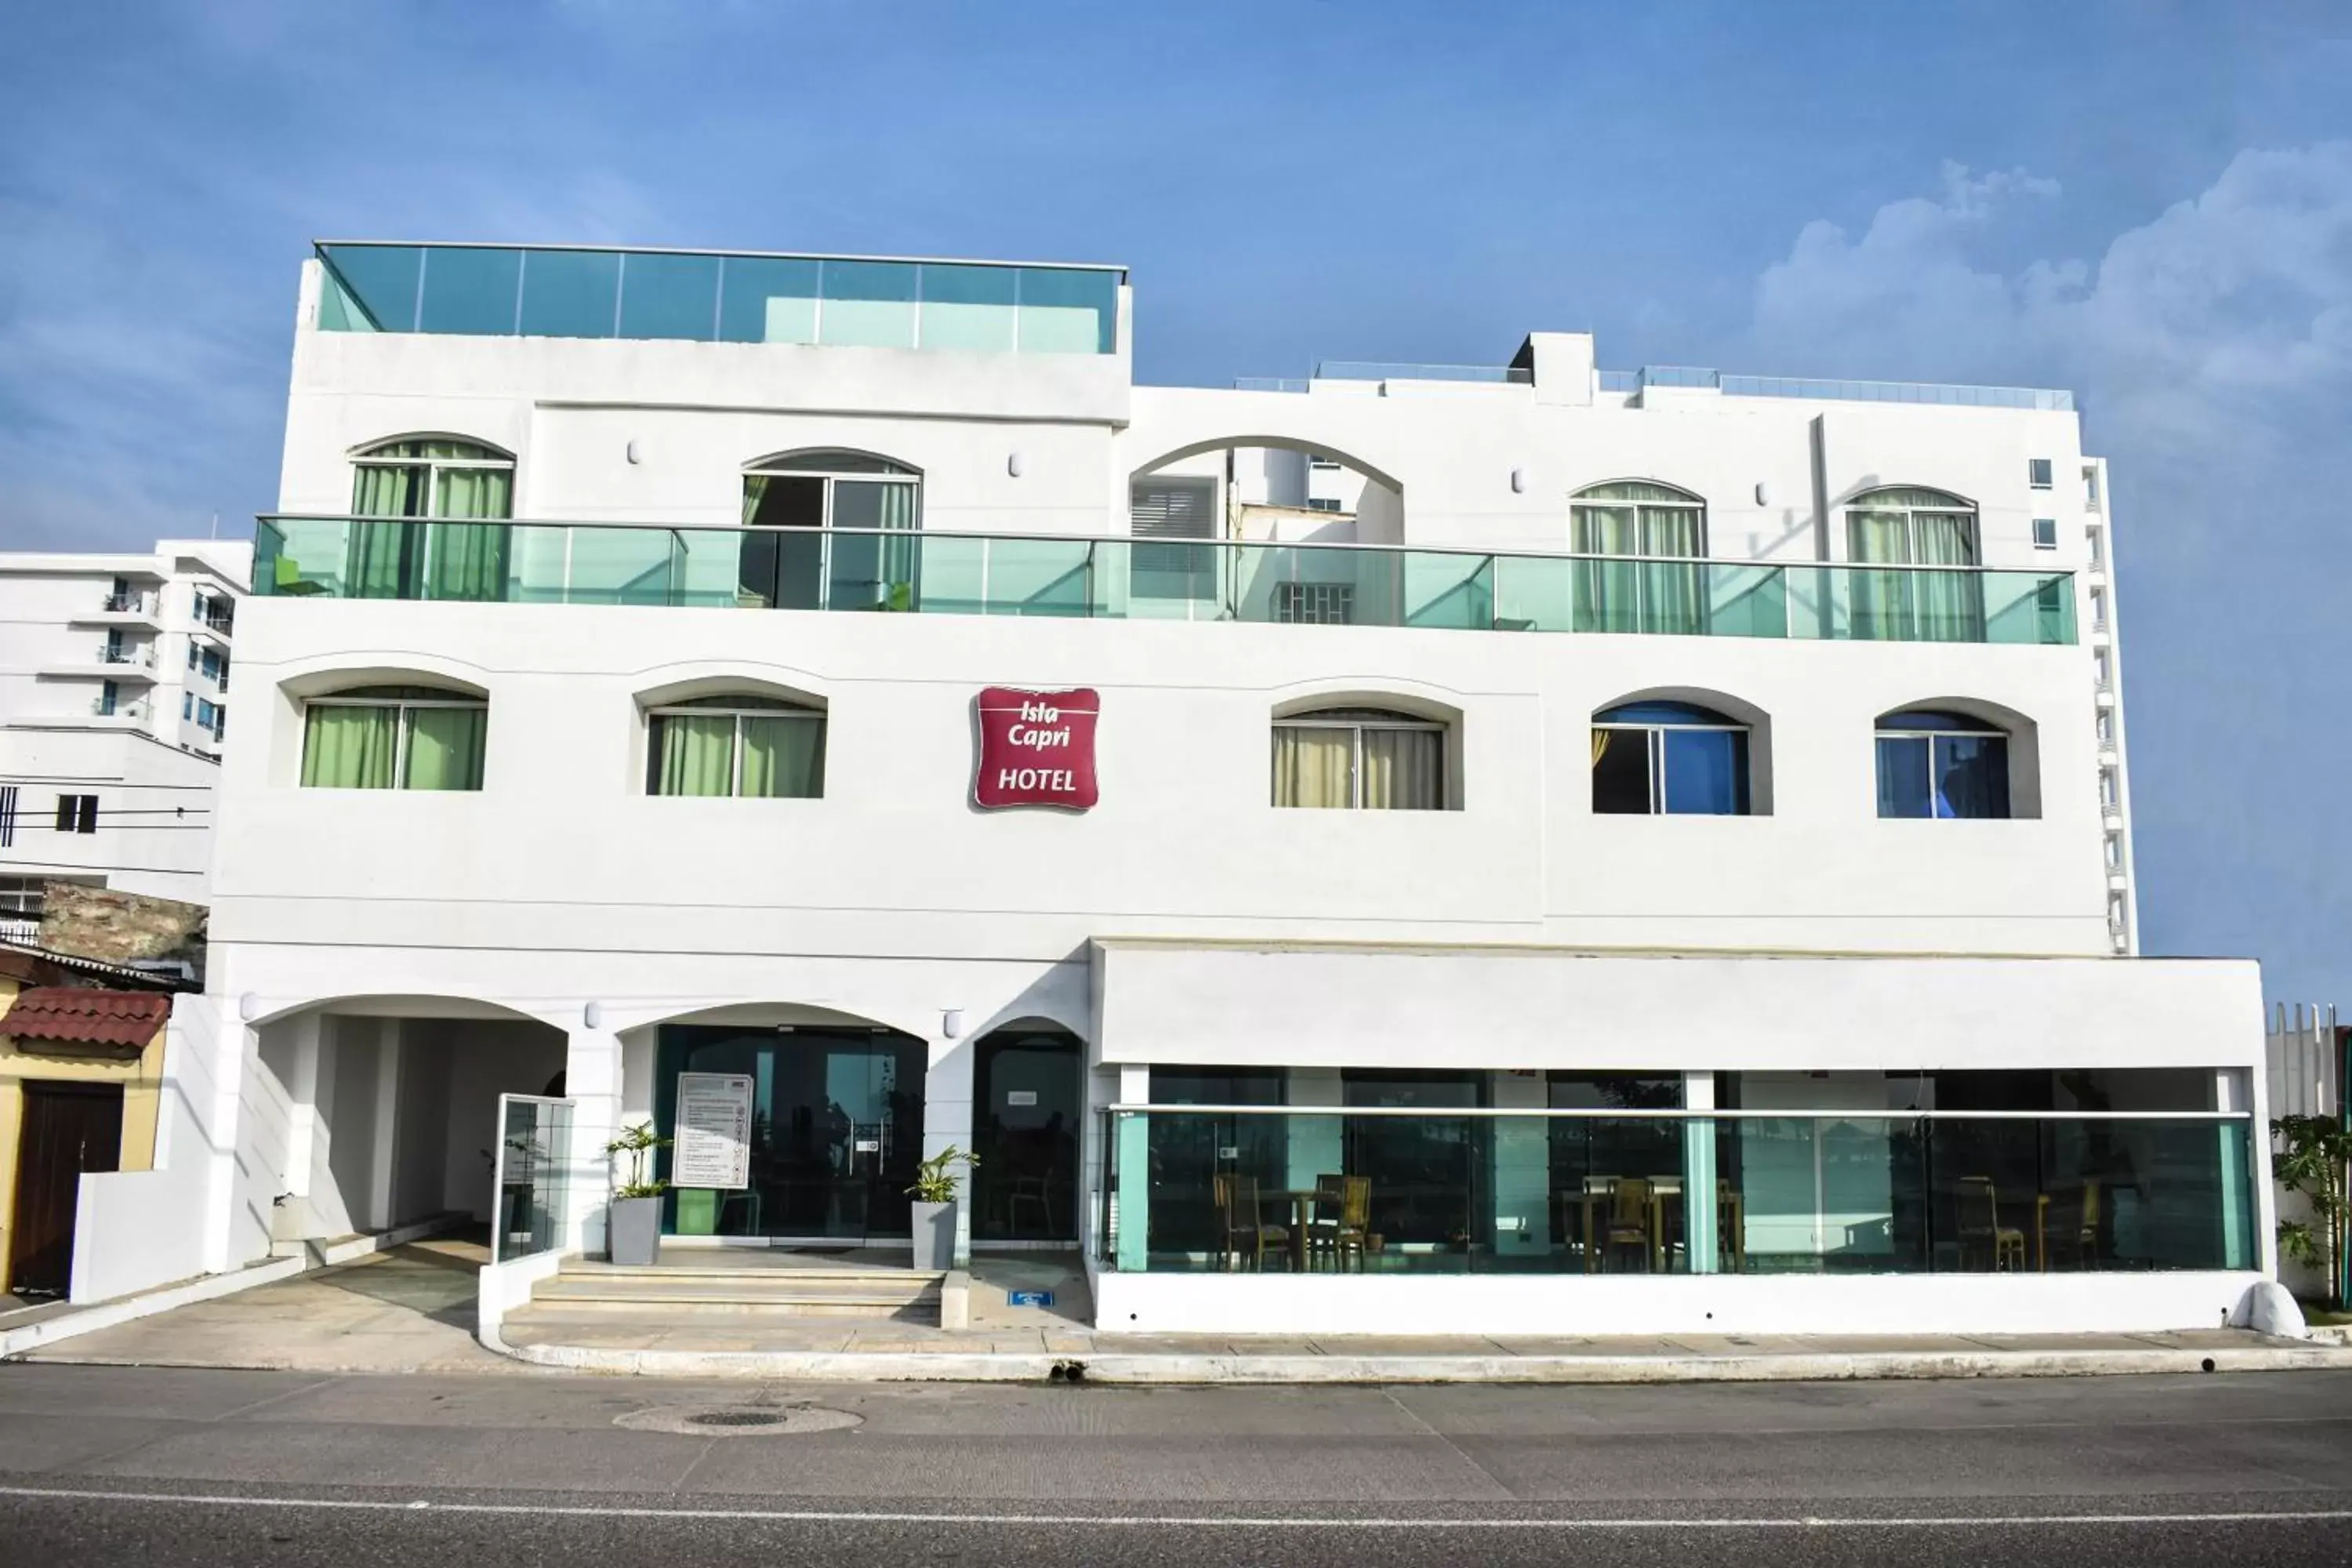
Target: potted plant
[[632, 1233], [934, 1192]]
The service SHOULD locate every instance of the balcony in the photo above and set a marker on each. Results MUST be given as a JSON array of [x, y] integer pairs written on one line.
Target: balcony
[[109, 661], [934, 572], [121, 610], [707, 297]]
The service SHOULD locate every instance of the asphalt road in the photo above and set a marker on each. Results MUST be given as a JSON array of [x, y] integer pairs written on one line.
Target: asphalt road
[[129, 1466]]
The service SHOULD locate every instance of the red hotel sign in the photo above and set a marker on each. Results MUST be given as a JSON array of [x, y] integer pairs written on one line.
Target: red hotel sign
[[1036, 748]]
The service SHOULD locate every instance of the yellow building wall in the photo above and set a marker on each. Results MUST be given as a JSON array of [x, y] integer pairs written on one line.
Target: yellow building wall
[[141, 1079]]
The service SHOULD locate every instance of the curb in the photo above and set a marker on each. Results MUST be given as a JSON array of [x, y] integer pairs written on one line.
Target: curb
[[827, 1366], [100, 1315]]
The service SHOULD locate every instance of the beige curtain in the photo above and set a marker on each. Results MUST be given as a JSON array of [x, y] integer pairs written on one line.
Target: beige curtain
[[1600, 745], [1313, 767], [1405, 770]]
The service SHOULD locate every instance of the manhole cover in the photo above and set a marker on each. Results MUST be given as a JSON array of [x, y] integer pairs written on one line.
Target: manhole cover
[[737, 1421]]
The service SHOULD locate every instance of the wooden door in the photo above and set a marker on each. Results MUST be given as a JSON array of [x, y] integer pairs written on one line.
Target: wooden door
[[68, 1128]]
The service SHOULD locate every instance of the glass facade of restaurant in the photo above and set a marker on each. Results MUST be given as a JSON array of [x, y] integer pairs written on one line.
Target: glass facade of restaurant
[[1419, 1172]]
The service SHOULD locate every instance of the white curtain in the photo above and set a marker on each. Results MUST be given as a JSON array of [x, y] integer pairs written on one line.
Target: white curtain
[[1314, 767], [1405, 770]]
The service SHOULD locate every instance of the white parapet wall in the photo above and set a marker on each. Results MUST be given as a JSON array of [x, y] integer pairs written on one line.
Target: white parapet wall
[[1553, 1305], [134, 1230]]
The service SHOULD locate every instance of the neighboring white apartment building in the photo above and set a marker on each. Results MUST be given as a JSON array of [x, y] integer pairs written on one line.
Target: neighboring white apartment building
[[1659, 859], [114, 674]]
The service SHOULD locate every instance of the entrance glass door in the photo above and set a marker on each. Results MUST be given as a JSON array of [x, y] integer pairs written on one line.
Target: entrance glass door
[[1024, 1129], [837, 1130]]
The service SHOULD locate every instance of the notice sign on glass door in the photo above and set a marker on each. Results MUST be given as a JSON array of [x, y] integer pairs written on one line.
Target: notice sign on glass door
[[1036, 748], [714, 1131]]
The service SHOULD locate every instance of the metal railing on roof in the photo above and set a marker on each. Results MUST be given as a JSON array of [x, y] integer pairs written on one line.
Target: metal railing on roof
[[1381, 369], [1940, 394]]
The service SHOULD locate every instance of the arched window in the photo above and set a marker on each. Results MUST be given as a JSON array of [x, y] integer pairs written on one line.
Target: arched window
[[1675, 759], [429, 477], [736, 745], [1364, 759], [1937, 764], [1920, 529], [1626, 520], [845, 526], [394, 737]]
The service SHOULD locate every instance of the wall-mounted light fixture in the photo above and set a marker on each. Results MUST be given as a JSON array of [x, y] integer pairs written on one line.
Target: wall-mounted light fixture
[[1015, 463], [593, 1015], [248, 1007], [1763, 493], [951, 1023], [1519, 481], [632, 452]]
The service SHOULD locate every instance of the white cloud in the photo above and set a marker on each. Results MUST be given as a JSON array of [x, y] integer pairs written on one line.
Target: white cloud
[[2223, 325]]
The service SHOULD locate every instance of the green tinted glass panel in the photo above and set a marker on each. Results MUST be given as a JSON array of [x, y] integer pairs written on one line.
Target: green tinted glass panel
[[868, 304], [570, 293], [370, 288], [765, 300], [470, 292], [1068, 311], [967, 308], [669, 296]]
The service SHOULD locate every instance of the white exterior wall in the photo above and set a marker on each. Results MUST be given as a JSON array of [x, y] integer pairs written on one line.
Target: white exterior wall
[[152, 768], [1518, 929]]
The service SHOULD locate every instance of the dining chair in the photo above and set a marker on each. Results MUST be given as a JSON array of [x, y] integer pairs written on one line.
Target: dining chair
[[2074, 1226], [1629, 1218], [2002, 1247], [1343, 1218], [1246, 1226]]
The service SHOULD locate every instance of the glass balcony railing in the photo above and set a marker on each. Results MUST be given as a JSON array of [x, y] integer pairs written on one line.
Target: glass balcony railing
[[705, 296], [928, 572], [1436, 1192]]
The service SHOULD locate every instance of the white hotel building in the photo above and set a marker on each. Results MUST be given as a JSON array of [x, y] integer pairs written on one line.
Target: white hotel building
[[1657, 856]]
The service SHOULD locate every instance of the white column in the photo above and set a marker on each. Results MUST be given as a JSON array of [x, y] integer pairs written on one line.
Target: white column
[[385, 1150], [302, 1102], [205, 1050], [947, 1119], [594, 1082]]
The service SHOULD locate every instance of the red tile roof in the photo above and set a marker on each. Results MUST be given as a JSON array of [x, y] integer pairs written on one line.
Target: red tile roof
[[85, 1015]]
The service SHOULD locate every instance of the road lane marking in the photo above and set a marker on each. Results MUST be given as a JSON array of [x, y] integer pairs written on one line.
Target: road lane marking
[[1184, 1522]]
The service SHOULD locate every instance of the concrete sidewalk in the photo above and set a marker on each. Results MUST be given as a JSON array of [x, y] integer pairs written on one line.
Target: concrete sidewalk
[[411, 1309]]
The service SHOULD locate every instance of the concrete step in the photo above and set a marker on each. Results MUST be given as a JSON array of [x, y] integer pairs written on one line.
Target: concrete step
[[735, 1294], [754, 1278], [925, 1310]]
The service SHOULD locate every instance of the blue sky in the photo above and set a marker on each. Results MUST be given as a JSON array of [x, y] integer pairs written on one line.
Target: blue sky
[[2148, 202]]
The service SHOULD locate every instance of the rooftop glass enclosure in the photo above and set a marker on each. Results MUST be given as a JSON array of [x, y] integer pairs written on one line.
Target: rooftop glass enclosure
[[705, 296], [1380, 1189], [920, 570]]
